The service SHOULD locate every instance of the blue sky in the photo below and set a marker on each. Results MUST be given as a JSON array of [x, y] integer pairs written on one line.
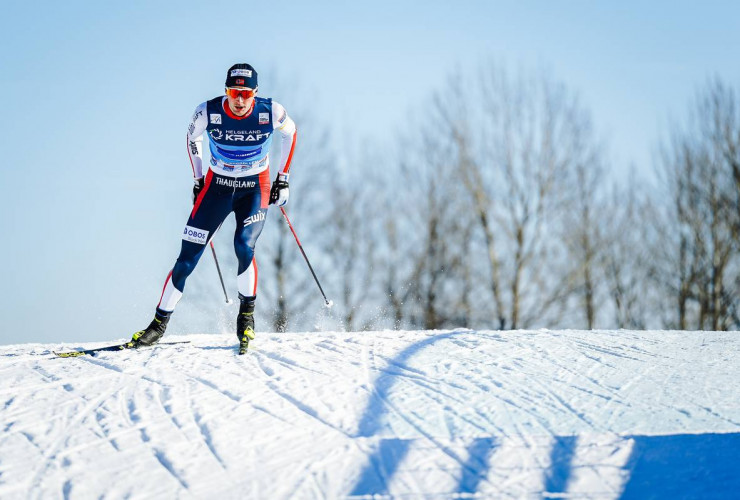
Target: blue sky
[[97, 97]]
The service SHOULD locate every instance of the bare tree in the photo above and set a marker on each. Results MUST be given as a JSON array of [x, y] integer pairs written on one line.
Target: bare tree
[[496, 213], [519, 145], [430, 219], [351, 243], [472, 178], [627, 258], [584, 216], [392, 286], [583, 237], [699, 165]]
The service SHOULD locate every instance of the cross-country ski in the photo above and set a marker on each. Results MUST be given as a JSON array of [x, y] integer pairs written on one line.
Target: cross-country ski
[[110, 348]]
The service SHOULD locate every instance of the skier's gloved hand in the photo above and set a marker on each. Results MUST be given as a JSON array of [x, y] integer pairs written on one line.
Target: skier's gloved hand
[[196, 188], [280, 193]]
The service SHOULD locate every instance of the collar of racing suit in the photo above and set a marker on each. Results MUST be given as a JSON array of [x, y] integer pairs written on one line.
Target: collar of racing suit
[[227, 110]]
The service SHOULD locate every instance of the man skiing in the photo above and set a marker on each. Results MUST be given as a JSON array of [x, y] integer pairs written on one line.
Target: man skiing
[[240, 127]]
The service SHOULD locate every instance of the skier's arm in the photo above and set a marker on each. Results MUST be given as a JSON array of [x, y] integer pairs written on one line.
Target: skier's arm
[[285, 126], [196, 128]]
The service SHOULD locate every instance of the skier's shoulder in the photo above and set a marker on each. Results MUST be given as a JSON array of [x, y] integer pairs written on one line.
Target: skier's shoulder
[[263, 102], [200, 111], [216, 101]]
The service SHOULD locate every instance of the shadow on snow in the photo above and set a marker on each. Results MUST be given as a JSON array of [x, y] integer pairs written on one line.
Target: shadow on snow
[[684, 466], [672, 466], [388, 455]]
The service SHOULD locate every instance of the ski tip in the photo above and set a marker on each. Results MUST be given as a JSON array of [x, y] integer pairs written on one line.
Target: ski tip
[[72, 354]]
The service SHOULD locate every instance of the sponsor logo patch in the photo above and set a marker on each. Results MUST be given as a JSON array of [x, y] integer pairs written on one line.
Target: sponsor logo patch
[[264, 118], [246, 155], [243, 167], [230, 136], [258, 217], [195, 235], [216, 118], [235, 183], [216, 133], [242, 72]]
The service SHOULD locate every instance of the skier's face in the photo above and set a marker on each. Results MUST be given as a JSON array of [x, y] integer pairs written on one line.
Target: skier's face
[[240, 99]]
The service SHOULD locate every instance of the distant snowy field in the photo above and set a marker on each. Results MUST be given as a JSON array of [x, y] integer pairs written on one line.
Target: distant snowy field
[[427, 414]]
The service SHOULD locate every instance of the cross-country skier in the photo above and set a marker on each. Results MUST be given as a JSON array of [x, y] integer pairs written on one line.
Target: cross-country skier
[[239, 126]]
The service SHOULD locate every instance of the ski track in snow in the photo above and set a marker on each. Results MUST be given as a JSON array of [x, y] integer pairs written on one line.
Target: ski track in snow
[[423, 414]]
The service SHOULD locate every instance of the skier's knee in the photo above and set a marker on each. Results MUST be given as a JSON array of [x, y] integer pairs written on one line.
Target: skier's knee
[[244, 254], [183, 268]]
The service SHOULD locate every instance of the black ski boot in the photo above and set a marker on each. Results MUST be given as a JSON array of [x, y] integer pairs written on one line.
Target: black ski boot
[[245, 323], [153, 332]]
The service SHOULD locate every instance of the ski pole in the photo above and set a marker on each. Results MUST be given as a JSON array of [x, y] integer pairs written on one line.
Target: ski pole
[[327, 301], [218, 268]]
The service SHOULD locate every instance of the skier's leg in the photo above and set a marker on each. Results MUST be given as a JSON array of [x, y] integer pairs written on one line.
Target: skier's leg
[[250, 210], [209, 211], [247, 280]]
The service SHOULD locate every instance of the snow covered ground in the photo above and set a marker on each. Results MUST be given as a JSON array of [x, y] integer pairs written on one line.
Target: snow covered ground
[[428, 414]]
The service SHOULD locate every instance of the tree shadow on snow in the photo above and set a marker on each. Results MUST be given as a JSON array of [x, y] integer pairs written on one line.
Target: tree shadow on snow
[[678, 466], [684, 466], [673, 466], [561, 464], [388, 454]]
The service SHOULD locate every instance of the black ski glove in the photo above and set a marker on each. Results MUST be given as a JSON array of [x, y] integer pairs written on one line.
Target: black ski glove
[[280, 193], [196, 188]]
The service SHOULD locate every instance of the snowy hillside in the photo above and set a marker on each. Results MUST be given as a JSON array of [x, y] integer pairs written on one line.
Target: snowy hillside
[[444, 414]]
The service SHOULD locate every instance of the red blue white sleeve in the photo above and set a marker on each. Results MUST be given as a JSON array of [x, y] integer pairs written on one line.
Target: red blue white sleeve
[[197, 126], [284, 126]]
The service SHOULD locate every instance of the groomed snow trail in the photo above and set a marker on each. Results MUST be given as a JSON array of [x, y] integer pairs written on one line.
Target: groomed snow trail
[[427, 414]]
